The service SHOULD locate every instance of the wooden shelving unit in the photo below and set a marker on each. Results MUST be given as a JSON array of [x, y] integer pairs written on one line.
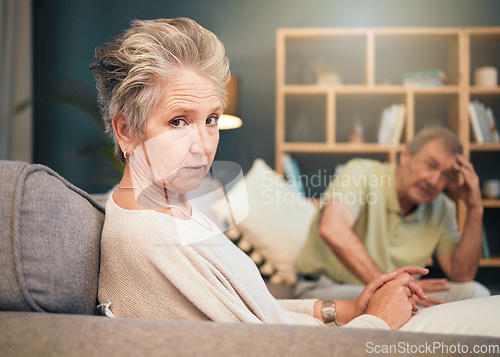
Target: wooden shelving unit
[[491, 203], [493, 262], [371, 62]]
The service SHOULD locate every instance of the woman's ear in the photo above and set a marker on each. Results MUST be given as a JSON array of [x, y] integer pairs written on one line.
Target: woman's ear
[[122, 133]]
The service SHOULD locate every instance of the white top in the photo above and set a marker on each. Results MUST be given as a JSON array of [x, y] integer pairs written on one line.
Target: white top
[[156, 266]]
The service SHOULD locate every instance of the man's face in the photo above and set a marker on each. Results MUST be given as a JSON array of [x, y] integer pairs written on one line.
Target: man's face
[[426, 173]]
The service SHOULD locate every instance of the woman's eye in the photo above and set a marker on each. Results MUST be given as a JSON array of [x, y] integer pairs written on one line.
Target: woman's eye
[[212, 121], [177, 122]]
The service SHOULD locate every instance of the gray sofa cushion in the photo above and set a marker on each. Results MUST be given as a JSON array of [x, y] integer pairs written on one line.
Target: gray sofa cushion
[[71, 335], [49, 242]]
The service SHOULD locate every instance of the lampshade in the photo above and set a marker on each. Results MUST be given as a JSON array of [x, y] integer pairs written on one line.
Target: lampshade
[[230, 120], [227, 121]]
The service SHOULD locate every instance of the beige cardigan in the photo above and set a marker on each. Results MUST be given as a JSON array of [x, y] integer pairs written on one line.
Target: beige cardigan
[[156, 266]]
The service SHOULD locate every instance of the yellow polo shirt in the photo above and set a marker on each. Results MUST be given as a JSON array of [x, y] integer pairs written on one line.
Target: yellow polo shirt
[[368, 188]]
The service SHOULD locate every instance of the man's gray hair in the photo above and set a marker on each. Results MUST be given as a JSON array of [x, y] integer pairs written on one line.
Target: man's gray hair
[[448, 138], [132, 71]]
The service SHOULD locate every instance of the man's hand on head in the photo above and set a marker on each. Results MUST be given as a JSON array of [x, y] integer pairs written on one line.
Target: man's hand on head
[[469, 190]]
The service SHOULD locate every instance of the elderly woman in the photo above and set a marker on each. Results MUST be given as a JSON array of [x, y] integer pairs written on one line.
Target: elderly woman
[[161, 92]]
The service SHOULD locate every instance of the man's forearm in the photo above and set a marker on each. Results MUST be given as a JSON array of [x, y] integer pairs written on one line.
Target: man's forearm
[[466, 255], [353, 254], [336, 229]]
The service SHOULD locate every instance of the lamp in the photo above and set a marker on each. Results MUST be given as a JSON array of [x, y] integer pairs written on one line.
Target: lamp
[[230, 120]]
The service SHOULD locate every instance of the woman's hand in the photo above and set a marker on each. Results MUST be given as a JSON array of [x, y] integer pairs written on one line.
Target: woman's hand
[[348, 310], [361, 303], [394, 302]]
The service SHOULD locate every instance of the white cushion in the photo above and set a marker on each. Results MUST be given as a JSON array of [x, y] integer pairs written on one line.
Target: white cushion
[[272, 217], [479, 316]]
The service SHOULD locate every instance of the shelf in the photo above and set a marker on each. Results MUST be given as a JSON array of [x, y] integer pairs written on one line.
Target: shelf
[[493, 262], [484, 90], [481, 31], [365, 89], [491, 203], [485, 147], [369, 148], [446, 89], [384, 31], [306, 89], [320, 32]]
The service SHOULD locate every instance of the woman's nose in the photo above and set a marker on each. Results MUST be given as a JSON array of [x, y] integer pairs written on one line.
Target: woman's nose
[[203, 142]]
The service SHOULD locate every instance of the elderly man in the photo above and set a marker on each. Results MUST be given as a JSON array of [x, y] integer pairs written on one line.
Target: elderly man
[[379, 216]]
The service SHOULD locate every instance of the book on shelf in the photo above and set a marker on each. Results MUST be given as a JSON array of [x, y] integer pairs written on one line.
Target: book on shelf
[[424, 83], [492, 125], [383, 131], [483, 123], [476, 126], [486, 246], [397, 129], [434, 73], [391, 124], [292, 174], [431, 78]]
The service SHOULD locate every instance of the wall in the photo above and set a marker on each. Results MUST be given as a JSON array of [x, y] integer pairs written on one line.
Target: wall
[[15, 79], [66, 33]]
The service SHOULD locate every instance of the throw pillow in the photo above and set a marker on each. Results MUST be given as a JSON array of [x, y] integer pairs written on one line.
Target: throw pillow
[[272, 218], [465, 317]]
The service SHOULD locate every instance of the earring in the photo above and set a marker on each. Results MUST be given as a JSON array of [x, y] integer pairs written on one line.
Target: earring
[[125, 155]]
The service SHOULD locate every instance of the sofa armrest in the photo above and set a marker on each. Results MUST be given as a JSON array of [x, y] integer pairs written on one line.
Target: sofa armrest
[[41, 334]]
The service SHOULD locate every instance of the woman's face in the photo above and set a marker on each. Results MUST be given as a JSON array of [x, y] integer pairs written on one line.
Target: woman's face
[[181, 134]]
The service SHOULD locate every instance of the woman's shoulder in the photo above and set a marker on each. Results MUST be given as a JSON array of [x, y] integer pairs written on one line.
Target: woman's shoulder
[[139, 227], [122, 216]]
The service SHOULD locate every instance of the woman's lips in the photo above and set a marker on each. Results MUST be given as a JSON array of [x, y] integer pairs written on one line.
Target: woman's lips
[[197, 167]]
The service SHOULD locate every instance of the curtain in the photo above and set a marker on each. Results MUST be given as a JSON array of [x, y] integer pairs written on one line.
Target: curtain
[[15, 79]]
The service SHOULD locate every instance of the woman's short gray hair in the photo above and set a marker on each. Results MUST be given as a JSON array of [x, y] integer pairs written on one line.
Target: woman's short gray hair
[[131, 71], [449, 139]]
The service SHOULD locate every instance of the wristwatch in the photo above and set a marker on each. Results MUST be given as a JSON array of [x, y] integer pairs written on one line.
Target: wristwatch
[[328, 312]]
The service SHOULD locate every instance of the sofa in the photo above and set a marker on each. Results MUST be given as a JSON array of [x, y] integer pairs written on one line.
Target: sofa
[[49, 249]]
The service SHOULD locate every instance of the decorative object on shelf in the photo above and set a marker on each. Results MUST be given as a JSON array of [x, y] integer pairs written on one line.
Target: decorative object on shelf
[[391, 124], [306, 74], [432, 78], [486, 76], [483, 123], [230, 119], [357, 135], [326, 75], [491, 188]]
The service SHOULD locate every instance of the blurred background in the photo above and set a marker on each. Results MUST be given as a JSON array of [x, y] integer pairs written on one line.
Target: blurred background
[[64, 34]]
